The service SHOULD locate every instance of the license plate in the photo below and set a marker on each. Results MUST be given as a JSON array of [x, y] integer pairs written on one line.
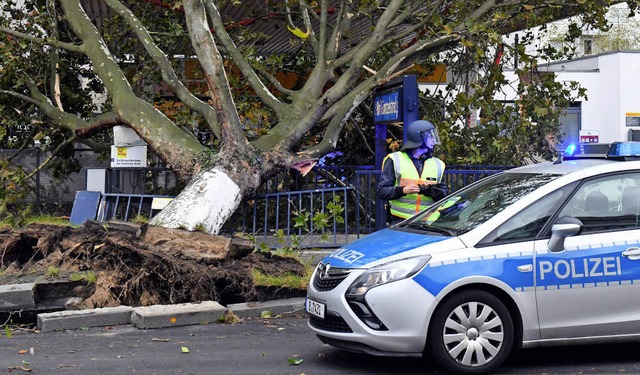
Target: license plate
[[315, 308]]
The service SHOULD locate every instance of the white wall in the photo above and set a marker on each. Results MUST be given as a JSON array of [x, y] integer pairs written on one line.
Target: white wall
[[629, 89], [613, 89]]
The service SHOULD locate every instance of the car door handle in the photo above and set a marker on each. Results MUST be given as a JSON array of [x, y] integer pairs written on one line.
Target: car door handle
[[525, 268], [632, 253]]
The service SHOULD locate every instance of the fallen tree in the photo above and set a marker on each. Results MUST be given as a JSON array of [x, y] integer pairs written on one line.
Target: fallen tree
[[346, 50]]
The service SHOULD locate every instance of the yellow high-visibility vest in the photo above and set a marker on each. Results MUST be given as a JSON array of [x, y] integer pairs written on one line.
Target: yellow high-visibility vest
[[407, 174]]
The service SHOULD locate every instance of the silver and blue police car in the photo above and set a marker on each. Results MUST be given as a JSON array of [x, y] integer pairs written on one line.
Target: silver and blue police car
[[542, 254]]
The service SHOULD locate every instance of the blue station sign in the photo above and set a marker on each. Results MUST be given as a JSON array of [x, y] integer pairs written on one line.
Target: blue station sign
[[386, 107]]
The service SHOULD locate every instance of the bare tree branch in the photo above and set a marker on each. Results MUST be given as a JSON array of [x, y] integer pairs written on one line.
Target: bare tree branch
[[53, 154], [321, 62], [275, 83], [99, 123], [213, 67], [43, 41], [169, 75], [342, 23], [239, 60], [174, 146], [304, 8]]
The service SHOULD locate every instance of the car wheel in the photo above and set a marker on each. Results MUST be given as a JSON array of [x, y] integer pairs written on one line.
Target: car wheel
[[471, 333]]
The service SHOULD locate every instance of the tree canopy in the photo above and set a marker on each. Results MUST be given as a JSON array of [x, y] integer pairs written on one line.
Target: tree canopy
[[59, 65]]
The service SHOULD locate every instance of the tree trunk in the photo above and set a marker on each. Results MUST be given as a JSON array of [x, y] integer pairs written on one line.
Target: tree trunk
[[214, 194], [206, 203]]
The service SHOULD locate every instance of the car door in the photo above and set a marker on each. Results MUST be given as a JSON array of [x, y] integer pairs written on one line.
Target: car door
[[518, 236], [591, 287]]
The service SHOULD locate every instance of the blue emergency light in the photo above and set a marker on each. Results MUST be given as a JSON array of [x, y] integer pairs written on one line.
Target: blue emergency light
[[627, 150], [624, 150]]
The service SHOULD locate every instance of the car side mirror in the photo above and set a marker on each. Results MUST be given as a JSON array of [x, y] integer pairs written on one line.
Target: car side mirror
[[564, 227]]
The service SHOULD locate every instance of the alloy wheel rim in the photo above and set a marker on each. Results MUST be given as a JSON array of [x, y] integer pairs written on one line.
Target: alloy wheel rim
[[473, 334]]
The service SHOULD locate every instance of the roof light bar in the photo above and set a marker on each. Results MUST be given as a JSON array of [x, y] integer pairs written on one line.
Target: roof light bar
[[624, 150], [586, 150]]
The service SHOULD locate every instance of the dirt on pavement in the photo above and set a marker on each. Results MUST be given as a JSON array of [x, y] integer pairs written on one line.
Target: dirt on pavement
[[141, 265]]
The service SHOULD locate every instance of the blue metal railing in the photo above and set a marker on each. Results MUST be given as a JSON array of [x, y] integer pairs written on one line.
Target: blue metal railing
[[358, 183], [274, 215], [271, 215], [126, 207]]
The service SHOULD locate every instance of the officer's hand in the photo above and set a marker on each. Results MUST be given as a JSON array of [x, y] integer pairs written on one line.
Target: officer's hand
[[438, 191], [410, 189], [425, 189]]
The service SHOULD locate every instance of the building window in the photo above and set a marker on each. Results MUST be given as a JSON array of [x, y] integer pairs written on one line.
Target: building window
[[587, 45]]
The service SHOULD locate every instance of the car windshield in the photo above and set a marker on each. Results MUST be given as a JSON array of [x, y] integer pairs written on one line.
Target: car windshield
[[464, 210]]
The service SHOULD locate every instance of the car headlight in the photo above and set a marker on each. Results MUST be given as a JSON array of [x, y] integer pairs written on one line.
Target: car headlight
[[386, 273]]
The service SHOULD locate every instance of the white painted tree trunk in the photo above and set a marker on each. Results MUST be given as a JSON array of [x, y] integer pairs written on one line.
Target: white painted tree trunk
[[207, 202]]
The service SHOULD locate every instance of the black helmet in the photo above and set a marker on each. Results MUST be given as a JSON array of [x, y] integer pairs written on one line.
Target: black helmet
[[416, 133]]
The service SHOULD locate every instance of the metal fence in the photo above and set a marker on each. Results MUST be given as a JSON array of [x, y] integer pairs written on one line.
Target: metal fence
[[127, 207], [271, 215]]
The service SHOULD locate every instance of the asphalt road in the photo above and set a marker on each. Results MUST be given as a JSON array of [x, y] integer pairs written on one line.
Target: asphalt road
[[258, 346]]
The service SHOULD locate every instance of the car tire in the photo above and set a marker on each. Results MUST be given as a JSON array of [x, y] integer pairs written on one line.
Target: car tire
[[471, 333]]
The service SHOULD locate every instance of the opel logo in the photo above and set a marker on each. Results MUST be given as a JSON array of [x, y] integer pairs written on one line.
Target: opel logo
[[323, 270]]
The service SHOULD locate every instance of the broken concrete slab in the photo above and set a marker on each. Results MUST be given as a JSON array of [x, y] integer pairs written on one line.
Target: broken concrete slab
[[16, 297], [161, 316], [76, 319]]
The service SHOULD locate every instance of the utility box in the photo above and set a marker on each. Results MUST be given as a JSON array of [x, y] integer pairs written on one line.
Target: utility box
[[96, 180], [124, 136]]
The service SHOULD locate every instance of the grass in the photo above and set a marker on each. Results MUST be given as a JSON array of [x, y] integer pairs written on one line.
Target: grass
[[200, 228], [46, 219], [35, 219], [52, 271], [140, 219], [286, 281], [89, 277]]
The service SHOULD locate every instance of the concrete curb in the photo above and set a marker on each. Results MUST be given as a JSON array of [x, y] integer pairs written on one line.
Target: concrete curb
[[77, 319], [275, 307], [162, 316], [15, 297]]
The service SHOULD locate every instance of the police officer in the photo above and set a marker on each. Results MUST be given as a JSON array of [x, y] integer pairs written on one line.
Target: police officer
[[412, 177]]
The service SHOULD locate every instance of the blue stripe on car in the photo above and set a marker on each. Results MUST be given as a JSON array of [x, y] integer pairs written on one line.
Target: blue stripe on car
[[378, 245]]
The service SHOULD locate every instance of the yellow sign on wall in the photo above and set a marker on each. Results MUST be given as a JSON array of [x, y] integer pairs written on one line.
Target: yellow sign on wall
[[632, 119], [438, 75]]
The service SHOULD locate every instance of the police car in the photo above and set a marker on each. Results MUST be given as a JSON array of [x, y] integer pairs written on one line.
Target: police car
[[538, 255]]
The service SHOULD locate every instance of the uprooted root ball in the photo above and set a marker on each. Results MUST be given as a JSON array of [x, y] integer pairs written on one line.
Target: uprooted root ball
[[136, 269]]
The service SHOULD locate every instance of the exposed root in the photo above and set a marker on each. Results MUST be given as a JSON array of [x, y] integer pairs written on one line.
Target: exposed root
[[133, 272]]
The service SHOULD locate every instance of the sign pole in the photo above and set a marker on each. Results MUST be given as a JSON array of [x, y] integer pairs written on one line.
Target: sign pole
[[394, 102]]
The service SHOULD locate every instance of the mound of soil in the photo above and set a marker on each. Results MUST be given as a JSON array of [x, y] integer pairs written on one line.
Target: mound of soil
[[141, 265]]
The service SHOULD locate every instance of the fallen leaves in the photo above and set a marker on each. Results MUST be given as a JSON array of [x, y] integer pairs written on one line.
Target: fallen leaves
[[294, 360], [25, 369]]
